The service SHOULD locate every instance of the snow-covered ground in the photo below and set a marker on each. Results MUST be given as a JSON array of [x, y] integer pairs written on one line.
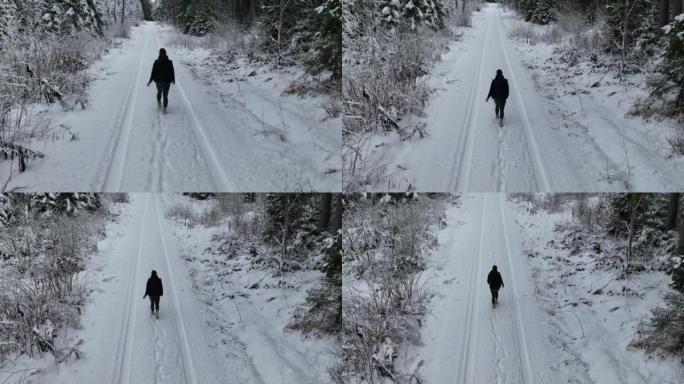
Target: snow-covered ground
[[202, 335], [540, 148], [250, 309], [212, 138], [536, 334]]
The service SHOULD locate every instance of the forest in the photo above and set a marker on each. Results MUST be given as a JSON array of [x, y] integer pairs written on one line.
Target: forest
[[48, 46], [394, 54], [387, 242], [61, 253], [629, 235], [45, 242]]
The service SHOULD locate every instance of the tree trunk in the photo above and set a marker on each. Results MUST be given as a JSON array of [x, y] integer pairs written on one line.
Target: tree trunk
[[336, 223], [678, 7], [673, 211], [123, 11], [325, 209], [146, 9], [664, 13], [681, 237]]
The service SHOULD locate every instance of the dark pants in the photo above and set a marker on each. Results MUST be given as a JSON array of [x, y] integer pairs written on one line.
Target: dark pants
[[154, 302], [499, 109], [495, 295], [163, 89]]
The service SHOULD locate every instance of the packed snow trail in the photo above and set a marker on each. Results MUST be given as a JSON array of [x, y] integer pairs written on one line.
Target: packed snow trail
[[196, 339], [466, 150], [126, 143], [123, 342], [485, 344]]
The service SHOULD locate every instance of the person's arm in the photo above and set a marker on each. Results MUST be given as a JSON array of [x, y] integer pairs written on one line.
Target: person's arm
[[161, 288], [173, 74], [147, 288], [506, 89], [491, 91], [154, 71]]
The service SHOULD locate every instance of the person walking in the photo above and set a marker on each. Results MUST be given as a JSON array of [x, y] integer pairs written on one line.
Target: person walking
[[495, 283], [154, 290], [163, 76], [499, 92]]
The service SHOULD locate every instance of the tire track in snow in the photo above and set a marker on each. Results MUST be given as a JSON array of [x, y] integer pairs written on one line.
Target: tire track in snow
[[466, 369], [542, 179], [124, 352], [155, 181], [216, 169], [462, 181], [525, 365], [188, 364], [158, 351], [116, 159], [498, 351]]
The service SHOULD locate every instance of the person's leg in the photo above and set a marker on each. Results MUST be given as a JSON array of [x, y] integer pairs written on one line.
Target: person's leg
[[503, 106], [496, 108], [166, 94], [159, 92], [156, 302], [152, 303], [493, 293], [496, 296]]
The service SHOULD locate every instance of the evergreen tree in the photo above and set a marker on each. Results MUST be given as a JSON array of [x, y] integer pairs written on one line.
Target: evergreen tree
[[674, 59], [65, 17], [8, 20], [430, 13], [327, 36], [69, 203], [196, 20], [544, 12], [625, 19]]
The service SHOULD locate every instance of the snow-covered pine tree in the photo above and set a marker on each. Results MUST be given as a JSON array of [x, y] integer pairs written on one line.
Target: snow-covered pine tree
[[674, 58], [625, 19], [544, 12], [429, 13], [327, 37], [8, 20], [390, 11], [196, 20], [527, 8], [65, 17], [69, 203]]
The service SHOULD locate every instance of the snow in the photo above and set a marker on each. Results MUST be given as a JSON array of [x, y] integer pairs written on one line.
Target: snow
[[215, 136], [200, 336], [532, 336], [541, 146]]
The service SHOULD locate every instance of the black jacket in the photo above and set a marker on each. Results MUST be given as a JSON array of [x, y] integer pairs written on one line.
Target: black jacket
[[499, 88], [154, 287], [494, 280], [162, 72]]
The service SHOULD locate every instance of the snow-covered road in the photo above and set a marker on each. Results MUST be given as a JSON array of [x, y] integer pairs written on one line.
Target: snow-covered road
[[123, 343], [125, 143], [467, 151], [466, 340]]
